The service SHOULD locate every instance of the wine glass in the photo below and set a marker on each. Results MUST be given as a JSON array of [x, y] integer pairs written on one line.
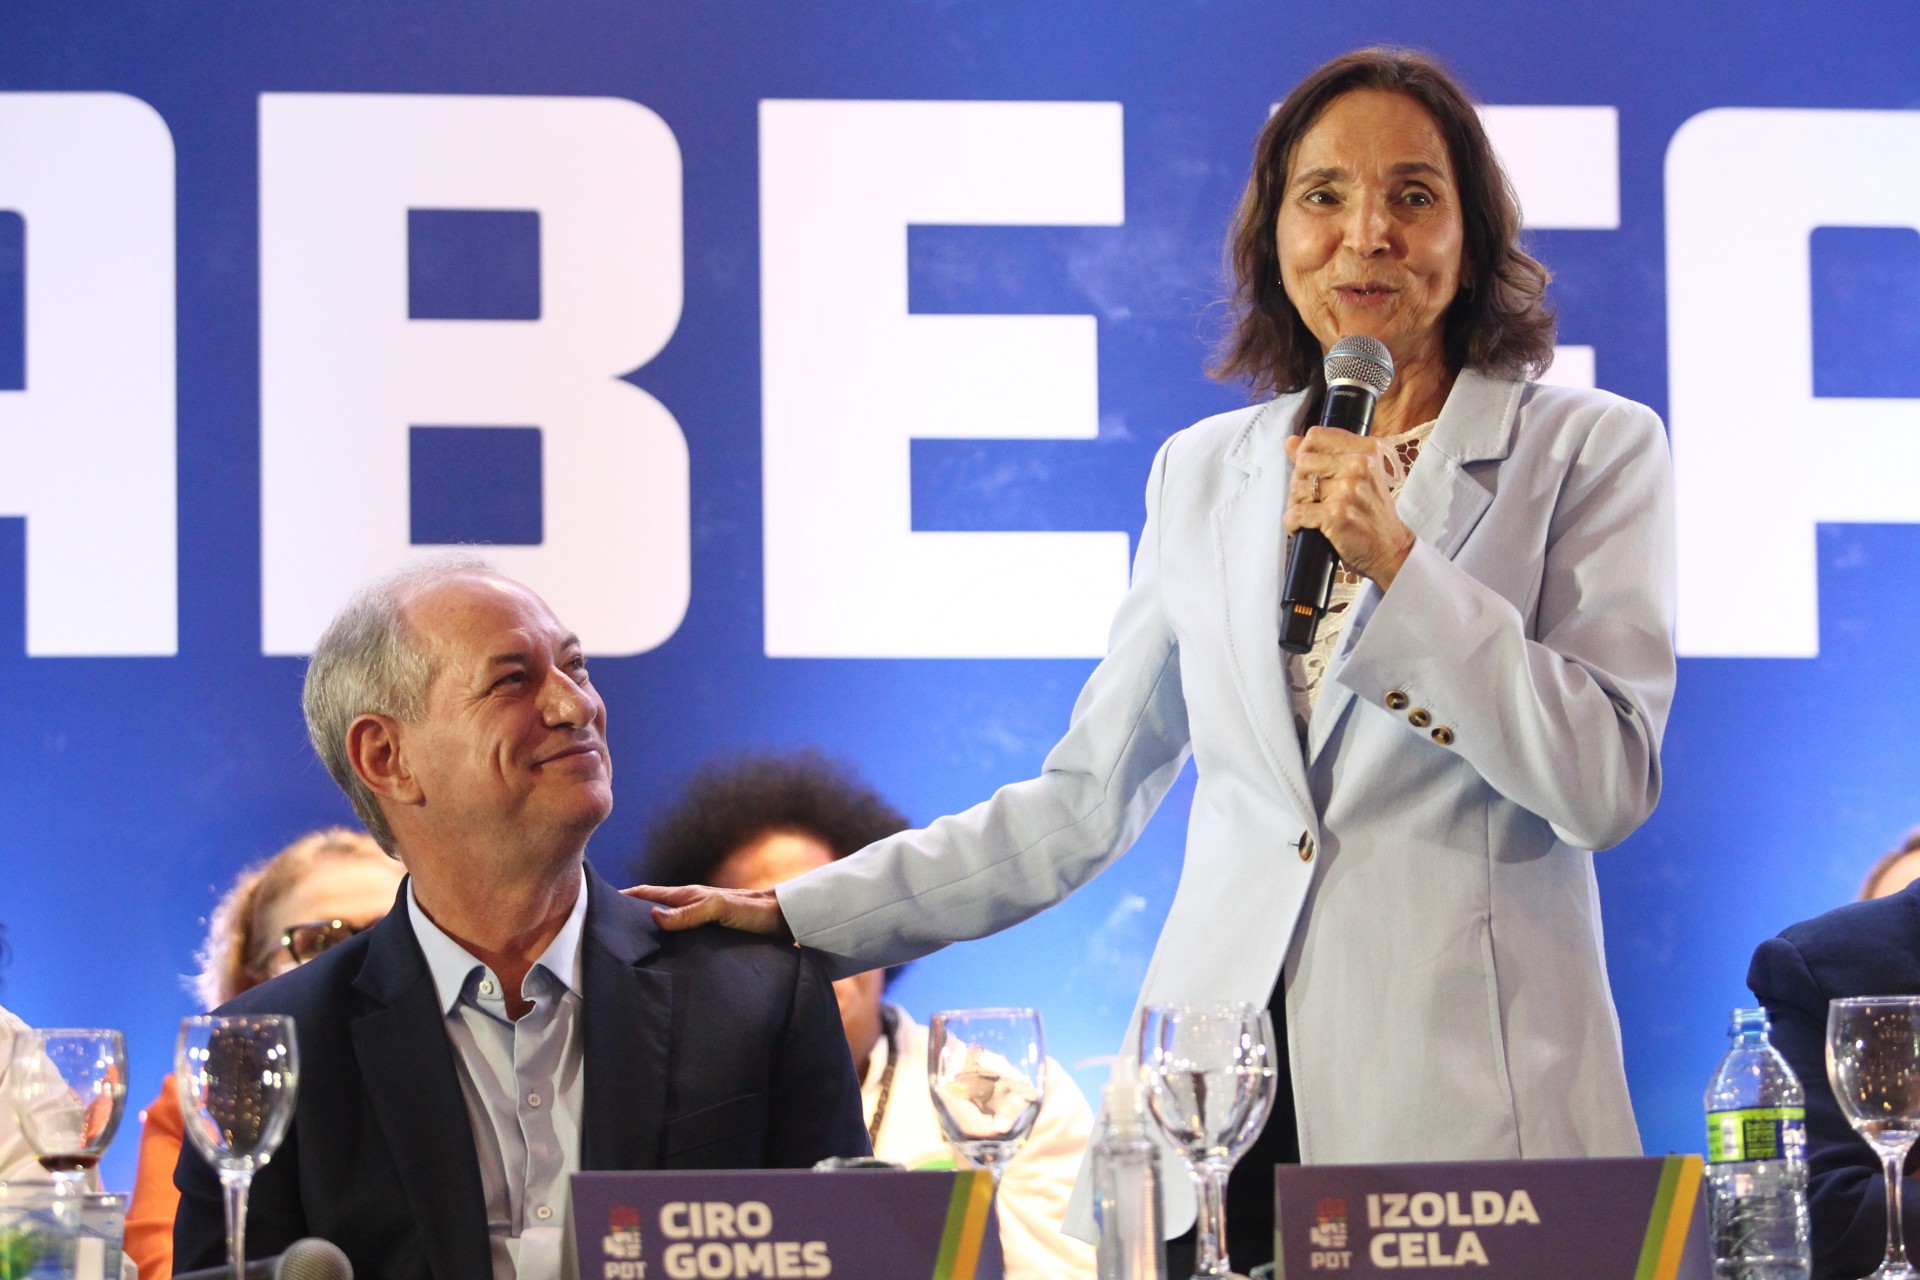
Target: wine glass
[[1873, 1063], [1209, 1071], [237, 1078], [69, 1086], [987, 1071]]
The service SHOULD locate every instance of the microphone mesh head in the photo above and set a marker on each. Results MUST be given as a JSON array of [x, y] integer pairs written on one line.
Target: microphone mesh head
[[314, 1259], [1360, 359]]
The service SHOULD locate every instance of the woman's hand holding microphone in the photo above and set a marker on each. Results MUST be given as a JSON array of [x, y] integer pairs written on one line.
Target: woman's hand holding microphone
[[1340, 488]]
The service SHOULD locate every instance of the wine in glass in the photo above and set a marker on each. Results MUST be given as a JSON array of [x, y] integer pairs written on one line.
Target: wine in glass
[[987, 1071], [237, 1078], [69, 1087], [1873, 1063], [1210, 1077]]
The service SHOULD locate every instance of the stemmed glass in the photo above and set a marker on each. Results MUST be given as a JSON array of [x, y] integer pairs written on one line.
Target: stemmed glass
[[987, 1072], [69, 1088], [237, 1078], [1873, 1063], [1210, 1077]]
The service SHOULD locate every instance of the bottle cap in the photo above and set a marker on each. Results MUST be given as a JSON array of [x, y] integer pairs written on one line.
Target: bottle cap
[[1121, 1099]]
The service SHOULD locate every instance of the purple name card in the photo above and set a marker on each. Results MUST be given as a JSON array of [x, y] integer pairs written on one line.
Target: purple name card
[[782, 1224], [1609, 1219]]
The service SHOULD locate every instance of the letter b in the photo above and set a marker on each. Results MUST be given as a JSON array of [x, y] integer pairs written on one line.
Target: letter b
[[345, 373]]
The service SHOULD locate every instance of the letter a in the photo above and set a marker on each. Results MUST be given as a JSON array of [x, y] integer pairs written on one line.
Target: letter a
[[1469, 1251]]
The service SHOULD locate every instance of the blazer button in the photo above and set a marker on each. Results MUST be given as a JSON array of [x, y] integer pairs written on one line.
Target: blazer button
[[1397, 701], [1419, 718], [1305, 845], [1442, 735]]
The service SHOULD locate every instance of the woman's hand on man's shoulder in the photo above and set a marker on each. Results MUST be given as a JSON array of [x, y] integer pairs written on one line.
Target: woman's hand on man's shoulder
[[677, 907]]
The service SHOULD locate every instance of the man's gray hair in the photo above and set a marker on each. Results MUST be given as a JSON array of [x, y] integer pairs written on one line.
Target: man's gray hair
[[369, 662]]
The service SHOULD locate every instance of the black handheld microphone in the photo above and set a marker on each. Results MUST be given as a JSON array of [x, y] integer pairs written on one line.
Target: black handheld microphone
[[1358, 372], [308, 1259]]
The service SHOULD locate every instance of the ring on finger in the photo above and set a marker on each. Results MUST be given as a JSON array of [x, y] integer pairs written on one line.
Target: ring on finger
[[1316, 489]]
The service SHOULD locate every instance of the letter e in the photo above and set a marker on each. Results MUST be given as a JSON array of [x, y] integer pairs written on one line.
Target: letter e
[[850, 378]]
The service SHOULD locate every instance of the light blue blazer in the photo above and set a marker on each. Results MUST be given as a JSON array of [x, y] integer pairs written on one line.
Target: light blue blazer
[[1419, 871]]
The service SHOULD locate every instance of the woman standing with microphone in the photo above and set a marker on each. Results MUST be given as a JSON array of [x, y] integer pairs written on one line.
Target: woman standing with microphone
[[1391, 834]]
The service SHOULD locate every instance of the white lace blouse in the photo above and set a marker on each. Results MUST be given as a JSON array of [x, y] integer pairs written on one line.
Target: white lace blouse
[[1304, 670]]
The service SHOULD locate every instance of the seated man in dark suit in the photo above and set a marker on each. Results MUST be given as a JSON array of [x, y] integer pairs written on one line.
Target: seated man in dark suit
[[512, 1020], [1863, 949]]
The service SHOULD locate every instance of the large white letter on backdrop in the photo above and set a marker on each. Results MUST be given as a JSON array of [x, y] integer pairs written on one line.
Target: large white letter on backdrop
[[89, 441], [345, 373], [1758, 460], [850, 378]]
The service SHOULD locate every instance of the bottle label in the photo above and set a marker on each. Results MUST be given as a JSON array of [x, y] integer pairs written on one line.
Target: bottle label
[[1757, 1133]]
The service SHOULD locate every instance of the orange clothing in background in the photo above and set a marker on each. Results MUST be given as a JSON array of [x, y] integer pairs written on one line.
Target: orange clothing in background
[[155, 1198]]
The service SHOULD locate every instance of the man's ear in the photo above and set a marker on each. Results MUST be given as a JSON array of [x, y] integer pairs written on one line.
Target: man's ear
[[373, 749]]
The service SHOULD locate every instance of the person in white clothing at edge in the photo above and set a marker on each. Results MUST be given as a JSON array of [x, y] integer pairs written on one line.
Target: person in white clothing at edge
[[17, 1161], [1391, 838], [756, 821]]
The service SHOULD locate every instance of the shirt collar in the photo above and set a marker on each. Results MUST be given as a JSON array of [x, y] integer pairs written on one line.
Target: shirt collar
[[452, 964]]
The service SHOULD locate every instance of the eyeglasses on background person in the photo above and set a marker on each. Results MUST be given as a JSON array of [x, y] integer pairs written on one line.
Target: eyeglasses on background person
[[307, 940]]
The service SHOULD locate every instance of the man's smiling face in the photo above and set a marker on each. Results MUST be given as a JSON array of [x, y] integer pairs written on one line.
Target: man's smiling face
[[514, 736]]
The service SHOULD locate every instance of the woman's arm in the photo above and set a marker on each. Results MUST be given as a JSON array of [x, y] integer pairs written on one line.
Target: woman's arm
[[1034, 842], [1562, 714]]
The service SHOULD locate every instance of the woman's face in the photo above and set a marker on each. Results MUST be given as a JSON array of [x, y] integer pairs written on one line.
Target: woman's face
[[1370, 235], [358, 891]]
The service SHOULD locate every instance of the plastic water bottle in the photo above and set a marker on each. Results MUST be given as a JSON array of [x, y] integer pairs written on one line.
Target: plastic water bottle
[[1127, 1213], [1757, 1159]]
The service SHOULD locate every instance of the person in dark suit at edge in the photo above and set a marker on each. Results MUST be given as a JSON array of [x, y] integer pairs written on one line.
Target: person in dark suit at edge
[[512, 1020], [1867, 948]]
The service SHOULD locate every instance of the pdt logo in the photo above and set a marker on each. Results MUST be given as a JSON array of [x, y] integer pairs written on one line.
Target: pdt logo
[[622, 1245], [1327, 1238]]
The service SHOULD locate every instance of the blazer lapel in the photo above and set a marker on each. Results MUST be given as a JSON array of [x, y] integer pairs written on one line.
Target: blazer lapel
[[411, 1082], [1441, 502], [1250, 545], [629, 1018]]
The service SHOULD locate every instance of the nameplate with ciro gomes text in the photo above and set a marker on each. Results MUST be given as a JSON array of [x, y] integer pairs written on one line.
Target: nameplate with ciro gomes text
[[782, 1224], [1603, 1219]]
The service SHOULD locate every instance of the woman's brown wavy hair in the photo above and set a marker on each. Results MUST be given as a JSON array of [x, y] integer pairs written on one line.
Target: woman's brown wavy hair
[[1499, 323]]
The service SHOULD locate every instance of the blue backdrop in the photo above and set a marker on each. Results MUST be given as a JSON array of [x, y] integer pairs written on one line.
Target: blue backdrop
[[140, 773]]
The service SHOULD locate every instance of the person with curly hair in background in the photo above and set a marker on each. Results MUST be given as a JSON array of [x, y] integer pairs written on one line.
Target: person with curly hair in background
[[281, 912], [1895, 870]]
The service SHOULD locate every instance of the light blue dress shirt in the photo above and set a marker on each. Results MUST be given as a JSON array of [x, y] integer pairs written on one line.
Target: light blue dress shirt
[[523, 1083]]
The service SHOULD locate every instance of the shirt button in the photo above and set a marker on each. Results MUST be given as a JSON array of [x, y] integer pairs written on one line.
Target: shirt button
[[486, 987], [1419, 718], [533, 1099], [1305, 845], [1397, 701], [1442, 735], [543, 1213]]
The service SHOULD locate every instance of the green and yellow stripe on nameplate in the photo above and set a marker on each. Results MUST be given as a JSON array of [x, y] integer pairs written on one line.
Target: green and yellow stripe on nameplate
[[1672, 1214], [966, 1225]]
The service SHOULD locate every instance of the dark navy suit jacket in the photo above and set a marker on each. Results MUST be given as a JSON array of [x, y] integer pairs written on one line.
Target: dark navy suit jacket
[[1863, 949], [702, 1050]]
